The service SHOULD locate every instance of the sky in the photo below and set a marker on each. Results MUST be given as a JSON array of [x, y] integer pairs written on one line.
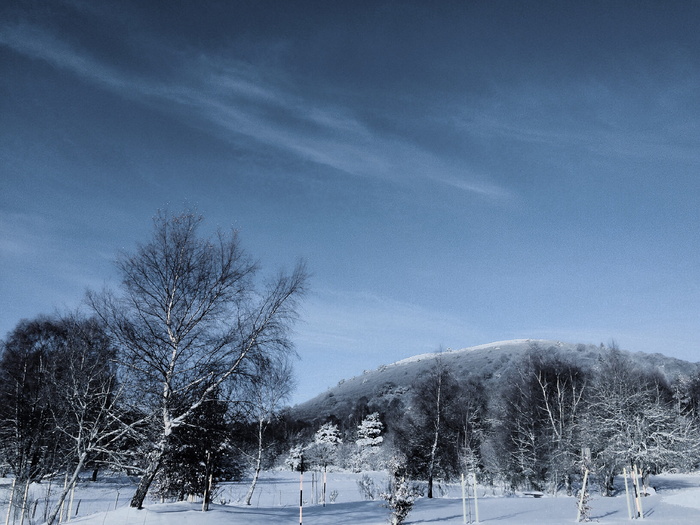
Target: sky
[[453, 173]]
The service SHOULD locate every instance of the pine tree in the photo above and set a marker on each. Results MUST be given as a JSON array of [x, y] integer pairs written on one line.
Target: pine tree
[[369, 431]]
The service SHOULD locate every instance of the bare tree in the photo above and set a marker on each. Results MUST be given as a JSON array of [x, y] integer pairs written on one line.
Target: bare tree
[[538, 421], [28, 442], [190, 318], [268, 389], [431, 431], [632, 419], [86, 409]]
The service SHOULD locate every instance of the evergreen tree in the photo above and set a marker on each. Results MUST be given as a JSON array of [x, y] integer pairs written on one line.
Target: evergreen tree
[[369, 431], [368, 442], [324, 448], [199, 455]]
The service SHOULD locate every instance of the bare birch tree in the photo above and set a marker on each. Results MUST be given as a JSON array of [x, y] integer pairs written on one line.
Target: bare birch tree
[[87, 407], [190, 318], [268, 389], [632, 420], [431, 431]]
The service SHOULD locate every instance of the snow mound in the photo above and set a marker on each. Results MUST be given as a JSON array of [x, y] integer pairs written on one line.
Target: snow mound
[[689, 498]]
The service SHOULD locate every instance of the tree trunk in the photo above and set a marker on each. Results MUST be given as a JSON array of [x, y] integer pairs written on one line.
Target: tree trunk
[[69, 485], [436, 437], [208, 478], [258, 463], [145, 483]]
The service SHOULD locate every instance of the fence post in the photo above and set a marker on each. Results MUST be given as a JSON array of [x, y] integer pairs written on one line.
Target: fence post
[[464, 501], [301, 498], [627, 492], [9, 505], [476, 499]]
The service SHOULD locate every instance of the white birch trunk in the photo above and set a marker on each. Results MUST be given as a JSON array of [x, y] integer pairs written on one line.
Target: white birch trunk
[[258, 463], [68, 486]]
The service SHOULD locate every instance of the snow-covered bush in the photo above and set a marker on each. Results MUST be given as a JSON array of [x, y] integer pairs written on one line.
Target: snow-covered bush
[[400, 496], [366, 487]]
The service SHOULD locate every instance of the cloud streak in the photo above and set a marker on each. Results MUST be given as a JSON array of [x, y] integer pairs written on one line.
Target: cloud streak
[[641, 120], [244, 102], [349, 320]]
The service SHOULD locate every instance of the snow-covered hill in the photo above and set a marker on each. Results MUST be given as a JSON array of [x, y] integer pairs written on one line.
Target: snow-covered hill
[[492, 363]]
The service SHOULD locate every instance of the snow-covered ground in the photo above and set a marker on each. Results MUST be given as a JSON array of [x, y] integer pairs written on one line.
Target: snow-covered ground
[[676, 501]]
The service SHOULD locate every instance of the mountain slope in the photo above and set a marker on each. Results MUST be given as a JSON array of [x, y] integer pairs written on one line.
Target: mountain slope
[[492, 363]]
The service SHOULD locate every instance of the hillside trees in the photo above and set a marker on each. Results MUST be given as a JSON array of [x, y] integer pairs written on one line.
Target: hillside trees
[[472, 415], [430, 435], [189, 319], [687, 395], [632, 419], [519, 444], [561, 388], [539, 422], [369, 431]]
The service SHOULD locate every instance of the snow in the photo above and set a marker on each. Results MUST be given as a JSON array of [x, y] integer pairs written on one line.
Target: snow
[[488, 346], [676, 501]]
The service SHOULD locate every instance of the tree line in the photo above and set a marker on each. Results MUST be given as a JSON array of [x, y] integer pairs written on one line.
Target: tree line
[[541, 425]]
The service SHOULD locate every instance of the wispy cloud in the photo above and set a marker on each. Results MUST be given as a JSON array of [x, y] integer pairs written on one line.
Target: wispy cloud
[[621, 121], [351, 331], [367, 323], [244, 102]]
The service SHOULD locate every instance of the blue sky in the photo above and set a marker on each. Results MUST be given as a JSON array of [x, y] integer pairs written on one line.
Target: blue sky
[[453, 173]]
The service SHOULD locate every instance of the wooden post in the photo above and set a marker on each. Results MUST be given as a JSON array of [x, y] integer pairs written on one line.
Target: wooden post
[[464, 501], [9, 505], [639, 492], [627, 493], [301, 497], [476, 499], [325, 484], [583, 493]]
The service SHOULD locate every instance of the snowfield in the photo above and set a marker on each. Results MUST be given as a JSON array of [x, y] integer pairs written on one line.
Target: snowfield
[[676, 501]]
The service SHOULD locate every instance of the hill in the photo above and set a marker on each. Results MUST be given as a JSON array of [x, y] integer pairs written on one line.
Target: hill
[[390, 386]]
